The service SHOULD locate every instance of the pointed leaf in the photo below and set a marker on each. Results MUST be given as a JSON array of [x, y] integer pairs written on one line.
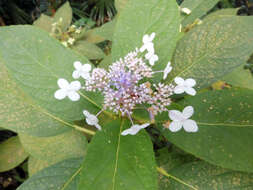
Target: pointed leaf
[[35, 165], [119, 162], [64, 12]]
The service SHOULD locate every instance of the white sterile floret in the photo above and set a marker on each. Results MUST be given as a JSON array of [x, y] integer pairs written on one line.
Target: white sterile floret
[[81, 70], [91, 119], [186, 10], [180, 120], [134, 129], [167, 70], [151, 57], [67, 89], [185, 86], [147, 42]]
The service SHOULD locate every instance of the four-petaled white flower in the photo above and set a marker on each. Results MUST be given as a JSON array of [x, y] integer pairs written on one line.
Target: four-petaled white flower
[[185, 86], [180, 120], [152, 57], [81, 70], [167, 70], [147, 42], [186, 10], [134, 129], [67, 89], [91, 119]]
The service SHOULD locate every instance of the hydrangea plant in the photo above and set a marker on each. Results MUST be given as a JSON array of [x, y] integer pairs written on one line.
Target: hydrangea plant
[[157, 77]]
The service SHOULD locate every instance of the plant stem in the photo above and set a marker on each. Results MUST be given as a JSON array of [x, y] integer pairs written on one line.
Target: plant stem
[[87, 131], [163, 172]]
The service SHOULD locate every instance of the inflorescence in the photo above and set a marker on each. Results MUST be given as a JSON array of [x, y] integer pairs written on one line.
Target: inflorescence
[[126, 85]]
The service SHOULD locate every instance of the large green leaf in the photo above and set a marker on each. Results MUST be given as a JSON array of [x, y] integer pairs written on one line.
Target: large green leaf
[[56, 148], [11, 154], [240, 77], [119, 162], [198, 9], [61, 176], [213, 49], [120, 4], [18, 113], [141, 17], [202, 175], [225, 129], [36, 61]]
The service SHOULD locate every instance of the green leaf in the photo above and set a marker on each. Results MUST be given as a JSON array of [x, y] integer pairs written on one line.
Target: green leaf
[[11, 154], [56, 148], [240, 77], [213, 49], [119, 162], [208, 177], [89, 50], [36, 61], [36, 165], [198, 9], [44, 22], [64, 12], [222, 12], [18, 113], [61, 176], [225, 129], [102, 33], [161, 17]]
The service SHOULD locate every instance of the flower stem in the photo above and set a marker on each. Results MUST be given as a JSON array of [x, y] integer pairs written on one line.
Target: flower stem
[[163, 172], [87, 131]]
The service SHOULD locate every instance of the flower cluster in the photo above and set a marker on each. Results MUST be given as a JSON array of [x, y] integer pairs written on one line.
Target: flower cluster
[[126, 85]]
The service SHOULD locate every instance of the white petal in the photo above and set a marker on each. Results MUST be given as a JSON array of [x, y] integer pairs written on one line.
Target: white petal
[[146, 39], [143, 48], [86, 113], [155, 57], [63, 83], [175, 126], [176, 115], [76, 74], [131, 131], [75, 85], [98, 127], [186, 10], [188, 112], [190, 126], [60, 94], [150, 47], [74, 96], [78, 65], [179, 89], [179, 81], [148, 55], [85, 76], [143, 126], [86, 67], [190, 82], [190, 91], [152, 36]]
